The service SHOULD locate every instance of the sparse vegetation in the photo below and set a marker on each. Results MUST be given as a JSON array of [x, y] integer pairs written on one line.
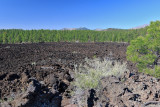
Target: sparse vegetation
[[1, 100], [88, 75], [33, 63]]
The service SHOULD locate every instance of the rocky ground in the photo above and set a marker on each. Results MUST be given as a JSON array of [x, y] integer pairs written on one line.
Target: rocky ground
[[40, 75]]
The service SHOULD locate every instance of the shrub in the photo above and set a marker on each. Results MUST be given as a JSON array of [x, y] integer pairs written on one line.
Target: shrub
[[88, 75], [145, 51]]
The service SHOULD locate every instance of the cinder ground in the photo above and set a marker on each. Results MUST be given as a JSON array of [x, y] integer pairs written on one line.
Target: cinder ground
[[39, 75]]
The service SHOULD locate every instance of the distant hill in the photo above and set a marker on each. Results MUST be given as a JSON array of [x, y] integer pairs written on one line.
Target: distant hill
[[112, 29], [109, 29], [81, 28], [142, 26], [98, 29], [84, 28], [68, 29]]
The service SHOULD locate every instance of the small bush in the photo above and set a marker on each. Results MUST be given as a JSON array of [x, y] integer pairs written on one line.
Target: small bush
[[88, 75]]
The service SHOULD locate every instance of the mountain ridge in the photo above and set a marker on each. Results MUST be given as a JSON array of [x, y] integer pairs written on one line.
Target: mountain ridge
[[107, 29]]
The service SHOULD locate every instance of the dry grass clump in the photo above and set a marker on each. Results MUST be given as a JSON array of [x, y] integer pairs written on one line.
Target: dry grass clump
[[88, 75]]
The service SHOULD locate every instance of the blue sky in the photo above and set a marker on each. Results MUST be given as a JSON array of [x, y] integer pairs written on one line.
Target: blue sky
[[57, 14]]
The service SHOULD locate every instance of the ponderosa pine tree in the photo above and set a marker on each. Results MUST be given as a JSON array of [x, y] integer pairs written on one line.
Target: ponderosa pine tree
[[19, 35], [145, 51]]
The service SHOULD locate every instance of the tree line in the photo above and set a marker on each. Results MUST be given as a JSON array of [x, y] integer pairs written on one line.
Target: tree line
[[34, 36]]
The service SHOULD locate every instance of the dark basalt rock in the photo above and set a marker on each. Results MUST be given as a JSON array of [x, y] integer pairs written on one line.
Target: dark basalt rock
[[40, 74]]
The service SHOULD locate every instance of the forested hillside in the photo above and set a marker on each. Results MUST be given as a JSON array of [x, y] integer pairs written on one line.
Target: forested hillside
[[24, 36]]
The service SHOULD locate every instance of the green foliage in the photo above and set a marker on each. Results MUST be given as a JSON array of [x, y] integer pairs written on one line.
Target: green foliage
[[145, 51], [115, 35]]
